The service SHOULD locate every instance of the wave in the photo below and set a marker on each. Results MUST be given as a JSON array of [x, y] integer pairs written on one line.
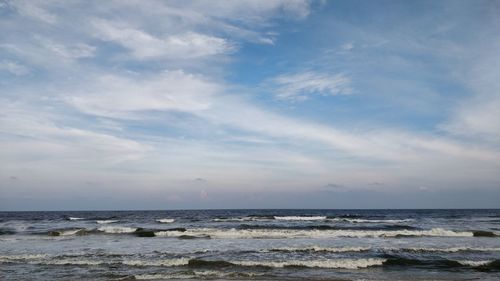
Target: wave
[[320, 249], [482, 233], [67, 232], [300, 218], [22, 257], [356, 220], [351, 219], [242, 219], [165, 220], [7, 231], [117, 229], [106, 221], [331, 263], [444, 250], [341, 263], [70, 262], [43, 259], [75, 219], [286, 233], [475, 263], [211, 274], [327, 227], [444, 263], [164, 262]]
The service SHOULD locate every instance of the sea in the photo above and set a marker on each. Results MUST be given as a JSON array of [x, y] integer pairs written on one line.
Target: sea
[[251, 245]]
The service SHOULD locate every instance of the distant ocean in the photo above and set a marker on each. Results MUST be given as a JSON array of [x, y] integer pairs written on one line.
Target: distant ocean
[[251, 245]]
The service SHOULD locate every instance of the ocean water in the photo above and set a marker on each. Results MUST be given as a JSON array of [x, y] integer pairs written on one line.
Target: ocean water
[[251, 245]]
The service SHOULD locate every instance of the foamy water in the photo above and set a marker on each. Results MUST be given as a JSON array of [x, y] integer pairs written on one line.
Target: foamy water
[[251, 244]]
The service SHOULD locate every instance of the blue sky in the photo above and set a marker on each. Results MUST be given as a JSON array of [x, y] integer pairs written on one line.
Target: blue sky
[[249, 104]]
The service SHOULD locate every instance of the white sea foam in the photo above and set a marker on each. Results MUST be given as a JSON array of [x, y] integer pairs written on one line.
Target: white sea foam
[[474, 263], [333, 263], [300, 218], [370, 220], [192, 274], [22, 257], [75, 219], [445, 250], [240, 219], [69, 232], [321, 249], [293, 233], [162, 276], [165, 262], [70, 262], [106, 221], [165, 220], [117, 229]]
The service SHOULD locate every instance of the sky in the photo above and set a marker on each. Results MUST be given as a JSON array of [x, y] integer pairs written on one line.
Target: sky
[[249, 104]]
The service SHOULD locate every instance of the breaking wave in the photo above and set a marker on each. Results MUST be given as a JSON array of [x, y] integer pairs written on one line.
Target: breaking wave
[[164, 262], [106, 221], [287, 233], [369, 220], [165, 220], [444, 250], [300, 218], [197, 274], [117, 229], [320, 249], [444, 263], [332, 263]]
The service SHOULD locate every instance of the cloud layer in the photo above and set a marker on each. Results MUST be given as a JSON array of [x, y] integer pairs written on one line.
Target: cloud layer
[[141, 98]]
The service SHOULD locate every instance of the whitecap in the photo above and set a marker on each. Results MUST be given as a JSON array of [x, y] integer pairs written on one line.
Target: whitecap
[[240, 219], [165, 262], [445, 250], [106, 221], [70, 262], [300, 218], [22, 257], [117, 229], [474, 263], [331, 263], [320, 249], [69, 232], [370, 220], [192, 274], [292, 233], [75, 219], [165, 220]]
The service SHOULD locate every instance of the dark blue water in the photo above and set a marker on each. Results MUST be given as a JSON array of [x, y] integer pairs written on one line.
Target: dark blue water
[[251, 245]]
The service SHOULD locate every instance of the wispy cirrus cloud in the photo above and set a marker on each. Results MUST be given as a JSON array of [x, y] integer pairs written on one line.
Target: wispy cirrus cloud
[[14, 67], [477, 115], [143, 45], [299, 86]]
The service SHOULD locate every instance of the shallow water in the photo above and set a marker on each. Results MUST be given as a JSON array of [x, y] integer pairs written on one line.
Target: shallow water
[[251, 244]]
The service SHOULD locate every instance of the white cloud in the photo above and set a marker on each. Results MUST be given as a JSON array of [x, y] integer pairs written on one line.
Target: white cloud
[[220, 135], [253, 12], [143, 45], [478, 116], [76, 51], [348, 46], [126, 97], [35, 10], [300, 86], [38, 137], [14, 67], [394, 146], [132, 97]]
